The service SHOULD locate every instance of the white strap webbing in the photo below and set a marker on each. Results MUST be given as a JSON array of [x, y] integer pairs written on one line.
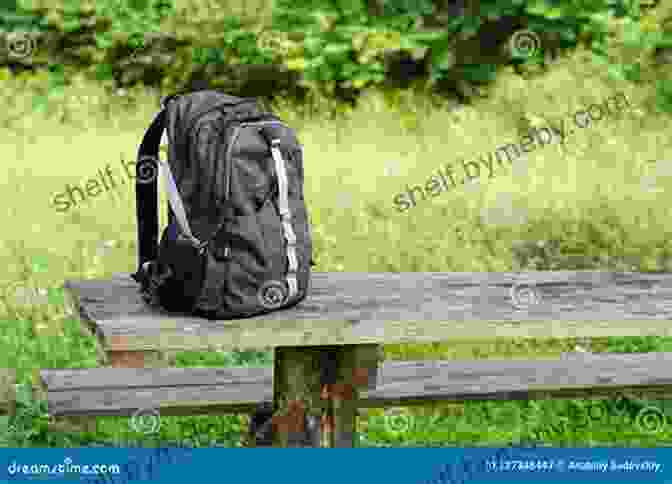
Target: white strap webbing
[[173, 194], [286, 217]]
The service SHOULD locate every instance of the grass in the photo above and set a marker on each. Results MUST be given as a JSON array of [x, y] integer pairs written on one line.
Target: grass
[[601, 201]]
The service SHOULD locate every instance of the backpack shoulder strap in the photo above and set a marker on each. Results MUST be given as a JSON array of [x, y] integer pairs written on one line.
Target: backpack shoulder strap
[[146, 192]]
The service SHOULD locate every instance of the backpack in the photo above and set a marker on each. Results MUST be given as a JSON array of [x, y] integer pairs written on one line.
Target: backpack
[[238, 241]]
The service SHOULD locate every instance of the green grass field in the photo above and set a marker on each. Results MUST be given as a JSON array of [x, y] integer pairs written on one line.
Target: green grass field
[[599, 201]]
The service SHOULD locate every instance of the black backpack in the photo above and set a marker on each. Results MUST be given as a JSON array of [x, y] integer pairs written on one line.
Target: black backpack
[[238, 239]]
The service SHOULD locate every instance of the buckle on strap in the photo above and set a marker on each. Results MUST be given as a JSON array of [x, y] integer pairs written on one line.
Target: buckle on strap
[[194, 242], [200, 246]]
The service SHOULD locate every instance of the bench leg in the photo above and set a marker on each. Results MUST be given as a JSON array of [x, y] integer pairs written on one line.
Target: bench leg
[[135, 359], [73, 424], [357, 368], [297, 403], [315, 393]]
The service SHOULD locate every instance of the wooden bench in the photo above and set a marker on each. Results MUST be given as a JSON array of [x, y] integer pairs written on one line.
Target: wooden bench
[[327, 349]]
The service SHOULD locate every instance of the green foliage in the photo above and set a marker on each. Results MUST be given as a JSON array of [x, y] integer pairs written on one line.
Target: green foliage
[[664, 98], [244, 43], [343, 44], [333, 48], [338, 42], [55, 87], [134, 17], [16, 18], [411, 8]]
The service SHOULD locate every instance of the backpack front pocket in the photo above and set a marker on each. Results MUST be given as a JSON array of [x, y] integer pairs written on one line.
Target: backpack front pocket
[[184, 266], [238, 265]]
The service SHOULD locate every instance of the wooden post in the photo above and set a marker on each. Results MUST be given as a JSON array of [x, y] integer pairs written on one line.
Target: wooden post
[[316, 390], [135, 359], [120, 358], [357, 368], [296, 397], [75, 423]]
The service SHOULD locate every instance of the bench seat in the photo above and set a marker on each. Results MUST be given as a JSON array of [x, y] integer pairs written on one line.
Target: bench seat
[[189, 391], [393, 308]]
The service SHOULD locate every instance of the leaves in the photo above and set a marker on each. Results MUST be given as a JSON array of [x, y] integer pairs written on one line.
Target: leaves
[[411, 8], [337, 53], [442, 56], [351, 7]]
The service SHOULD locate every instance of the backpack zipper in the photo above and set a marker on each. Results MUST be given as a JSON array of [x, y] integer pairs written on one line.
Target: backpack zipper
[[227, 156]]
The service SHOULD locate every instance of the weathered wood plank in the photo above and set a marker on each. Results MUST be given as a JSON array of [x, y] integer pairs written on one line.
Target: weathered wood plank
[[173, 391], [184, 391], [361, 308], [576, 376], [7, 391]]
